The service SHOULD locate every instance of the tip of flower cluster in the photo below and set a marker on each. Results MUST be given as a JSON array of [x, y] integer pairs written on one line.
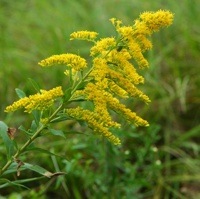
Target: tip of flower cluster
[[84, 35], [156, 20], [71, 60]]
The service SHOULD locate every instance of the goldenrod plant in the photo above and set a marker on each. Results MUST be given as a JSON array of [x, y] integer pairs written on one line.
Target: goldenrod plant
[[95, 88]]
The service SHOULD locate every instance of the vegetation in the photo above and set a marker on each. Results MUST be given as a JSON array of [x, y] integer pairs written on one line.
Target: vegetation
[[160, 161]]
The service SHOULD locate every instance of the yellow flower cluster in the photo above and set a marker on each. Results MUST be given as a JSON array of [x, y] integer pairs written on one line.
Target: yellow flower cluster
[[111, 77], [114, 75], [84, 35], [39, 101], [92, 119], [76, 62], [135, 37], [156, 20]]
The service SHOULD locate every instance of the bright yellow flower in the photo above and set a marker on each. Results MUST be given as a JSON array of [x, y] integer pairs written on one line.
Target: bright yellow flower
[[124, 66], [102, 45], [117, 90], [39, 101], [126, 32], [90, 117], [114, 104], [84, 35], [156, 20], [74, 61], [128, 86]]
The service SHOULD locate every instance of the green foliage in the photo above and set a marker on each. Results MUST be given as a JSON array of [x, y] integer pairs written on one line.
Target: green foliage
[[9, 143], [159, 162]]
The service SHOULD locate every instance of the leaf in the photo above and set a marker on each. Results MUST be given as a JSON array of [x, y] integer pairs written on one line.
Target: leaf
[[82, 85], [62, 117], [194, 132], [12, 183], [67, 94], [37, 169], [79, 146], [20, 93], [12, 169], [34, 84], [37, 116], [7, 141], [57, 132], [41, 170], [24, 130]]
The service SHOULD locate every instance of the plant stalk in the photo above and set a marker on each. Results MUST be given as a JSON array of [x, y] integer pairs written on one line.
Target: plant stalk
[[28, 142]]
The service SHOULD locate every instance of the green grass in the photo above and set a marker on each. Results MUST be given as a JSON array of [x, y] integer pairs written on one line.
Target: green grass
[[161, 161]]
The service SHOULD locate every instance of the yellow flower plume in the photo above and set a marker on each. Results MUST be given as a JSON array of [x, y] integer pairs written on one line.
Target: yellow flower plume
[[84, 35], [112, 77], [39, 101], [74, 61]]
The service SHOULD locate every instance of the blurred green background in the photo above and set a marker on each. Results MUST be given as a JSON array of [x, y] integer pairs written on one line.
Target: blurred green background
[[160, 162]]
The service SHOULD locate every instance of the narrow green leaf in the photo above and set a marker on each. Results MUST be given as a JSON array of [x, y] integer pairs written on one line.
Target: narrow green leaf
[[12, 169], [12, 183], [82, 85], [41, 170], [67, 94], [33, 127], [24, 130], [20, 93], [37, 169], [60, 118], [79, 146], [6, 139], [194, 132], [57, 132], [37, 116], [34, 84]]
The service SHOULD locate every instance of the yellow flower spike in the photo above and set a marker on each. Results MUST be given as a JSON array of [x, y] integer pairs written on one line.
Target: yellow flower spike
[[141, 31], [76, 62], [127, 33], [118, 90], [39, 101], [99, 71], [17, 105], [115, 105], [127, 86], [136, 52], [156, 20], [89, 117], [84, 35]]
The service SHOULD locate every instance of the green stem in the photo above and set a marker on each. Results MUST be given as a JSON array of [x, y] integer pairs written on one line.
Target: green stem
[[32, 138], [16, 155]]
